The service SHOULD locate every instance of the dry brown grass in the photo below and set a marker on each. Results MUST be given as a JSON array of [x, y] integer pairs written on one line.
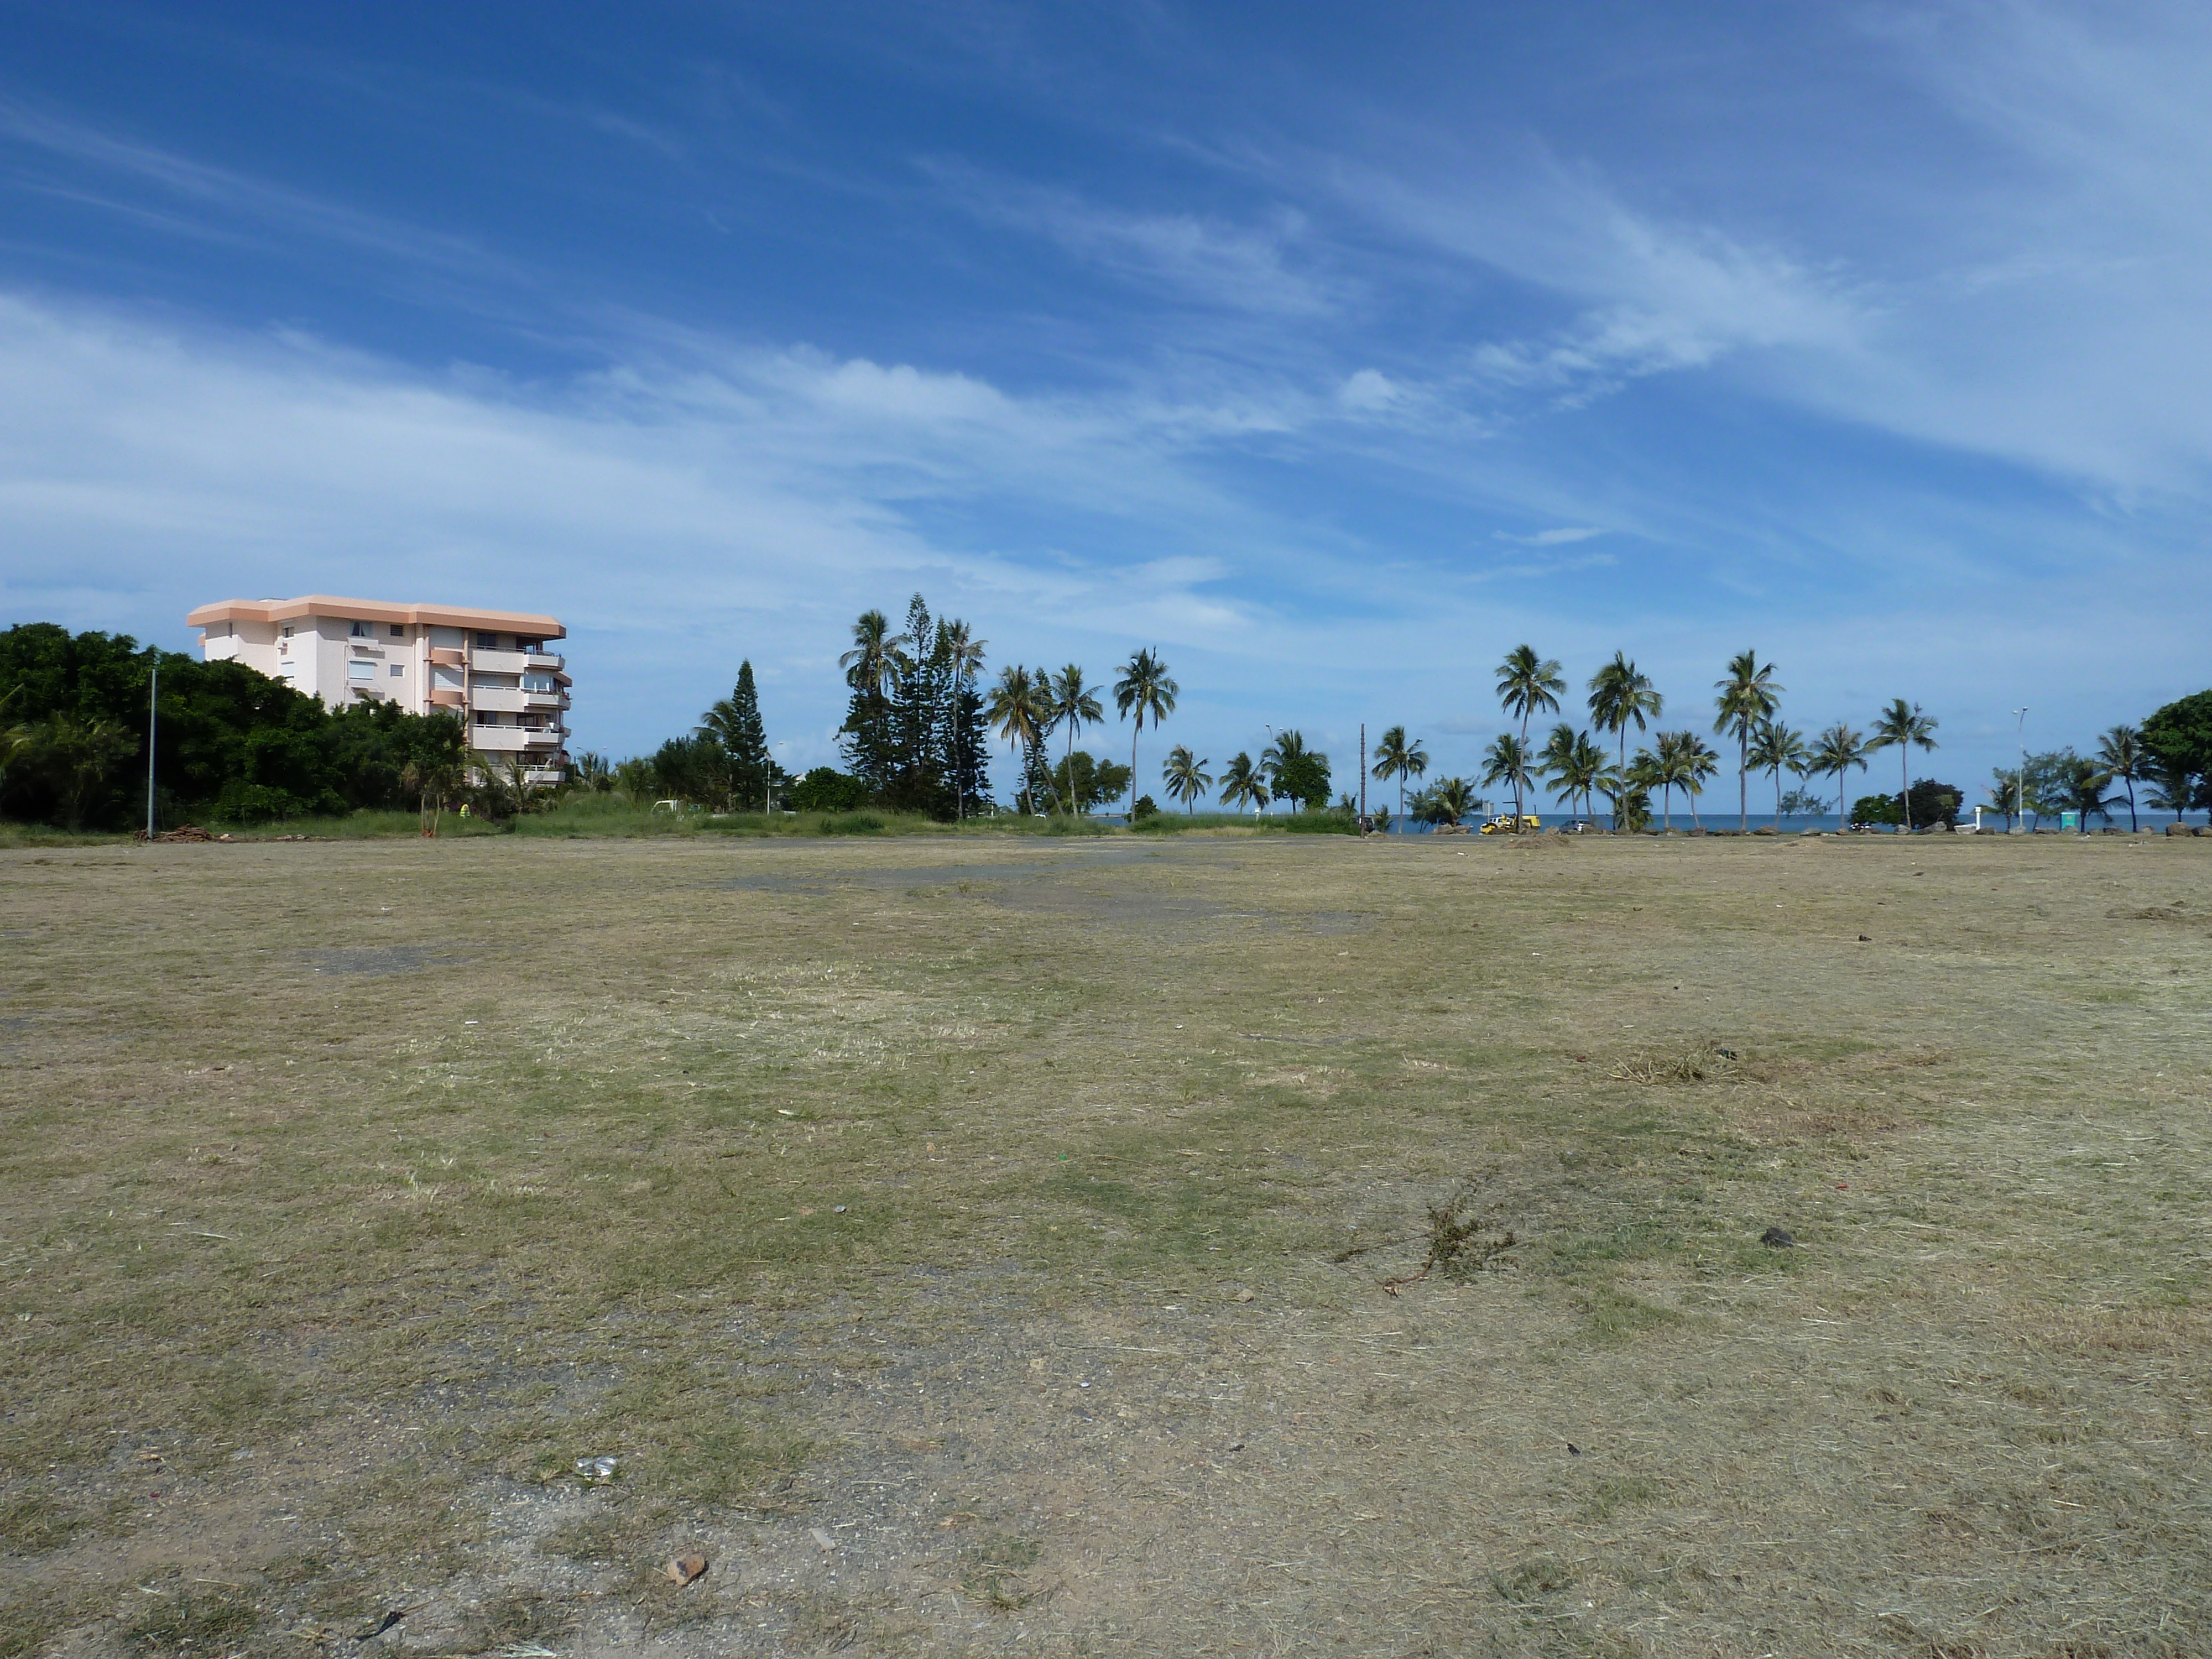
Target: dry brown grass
[[352, 1192]]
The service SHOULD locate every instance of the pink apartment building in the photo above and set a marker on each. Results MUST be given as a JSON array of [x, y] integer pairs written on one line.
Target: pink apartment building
[[493, 669]]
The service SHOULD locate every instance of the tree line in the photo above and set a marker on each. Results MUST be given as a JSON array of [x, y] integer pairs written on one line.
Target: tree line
[[1574, 762], [229, 742], [921, 726], [2170, 753]]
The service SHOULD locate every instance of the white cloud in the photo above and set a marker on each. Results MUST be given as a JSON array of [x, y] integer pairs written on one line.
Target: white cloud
[[1368, 390], [1194, 258], [1563, 536], [278, 212]]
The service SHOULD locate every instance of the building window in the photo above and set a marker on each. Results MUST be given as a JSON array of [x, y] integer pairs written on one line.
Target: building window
[[362, 630], [398, 630], [485, 717], [486, 641], [288, 630], [397, 671], [361, 670]]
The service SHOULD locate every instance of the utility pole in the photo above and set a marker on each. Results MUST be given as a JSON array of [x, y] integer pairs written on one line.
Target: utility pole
[[1363, 777], [2019, 778], [153, 716]]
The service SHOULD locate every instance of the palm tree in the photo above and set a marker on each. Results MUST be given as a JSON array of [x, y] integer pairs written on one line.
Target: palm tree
[[1772, 747], [1506, 762], [1748, 697], [966, 656], [1074, 705], [1144, 689], [1555, 761], [1186, 777], [1835, 751], [1694, 762], [1243, 783], [1526, 684], [1397, 757], [1282, 756], [2170, 786], [1900, 726], [873, 663], [1019, 710], [590, 772], [2079, 786], [1455, 798], [1630, 791], [1665, 771], [1645, 774], [2125, 759], [1619, 694], [1583, 771]]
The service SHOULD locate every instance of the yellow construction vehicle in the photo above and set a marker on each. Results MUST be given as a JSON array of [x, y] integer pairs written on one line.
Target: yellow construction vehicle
[[1505, 825]]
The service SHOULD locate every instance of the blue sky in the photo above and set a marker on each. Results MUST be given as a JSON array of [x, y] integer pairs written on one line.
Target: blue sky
[[1331, 349]]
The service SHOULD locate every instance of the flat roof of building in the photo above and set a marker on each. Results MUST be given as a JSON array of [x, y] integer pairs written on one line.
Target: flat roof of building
[[384, 611]]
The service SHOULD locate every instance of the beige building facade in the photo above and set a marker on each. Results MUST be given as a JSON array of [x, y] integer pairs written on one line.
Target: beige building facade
[[496, 670]]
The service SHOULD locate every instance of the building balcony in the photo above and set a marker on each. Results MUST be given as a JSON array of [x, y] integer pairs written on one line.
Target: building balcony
[[551, 737], [543, 659], [547, 775], [498, 662], [448, 658], [498, 699], [545, 700], [499, 740], [447, 696]]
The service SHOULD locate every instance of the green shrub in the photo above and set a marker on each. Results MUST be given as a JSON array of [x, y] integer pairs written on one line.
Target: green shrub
[[825, 789]]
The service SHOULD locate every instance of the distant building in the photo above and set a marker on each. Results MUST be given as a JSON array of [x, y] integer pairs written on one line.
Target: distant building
[[491, 668]]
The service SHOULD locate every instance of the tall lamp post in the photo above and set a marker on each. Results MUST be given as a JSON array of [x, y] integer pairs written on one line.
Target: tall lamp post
[[153, 718], [2019, 778]]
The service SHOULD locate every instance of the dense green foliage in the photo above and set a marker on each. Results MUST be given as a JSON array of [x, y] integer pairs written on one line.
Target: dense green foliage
[[914, 729], [233, 743], [1876, 809], [825, 789], [2178, 739], [1084, 782], [1295, 773], [1932, 803]]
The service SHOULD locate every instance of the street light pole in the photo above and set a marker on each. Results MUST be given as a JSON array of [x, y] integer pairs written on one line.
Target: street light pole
[[2019, 778], [153, 715]]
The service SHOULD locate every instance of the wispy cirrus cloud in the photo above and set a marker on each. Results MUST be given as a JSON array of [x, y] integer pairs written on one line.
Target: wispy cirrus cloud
[[1263, 265], [281, 212], [1565, 535]]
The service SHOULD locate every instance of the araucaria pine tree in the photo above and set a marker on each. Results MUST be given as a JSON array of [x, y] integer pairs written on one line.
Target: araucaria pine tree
[[915, 730], [734, 723], [917, 782]]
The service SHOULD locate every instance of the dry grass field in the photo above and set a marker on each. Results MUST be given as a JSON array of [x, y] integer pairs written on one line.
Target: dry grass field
[[973, 1246]]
